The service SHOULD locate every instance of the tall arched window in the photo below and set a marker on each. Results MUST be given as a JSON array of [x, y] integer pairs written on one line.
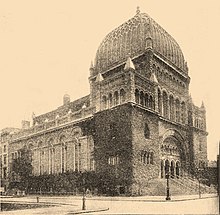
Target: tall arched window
[[151, 159], [165, 104], [151, 102], [159, 102], [177, 110], [110, 100], [104, 102], [122, 96], [51, 156], [116, 98], [141, 98], [172, 113], [146, 131], [146, 100], [148, 157], [63, 153], [145, 157], [137, 96], [183, 112], [40, 149]]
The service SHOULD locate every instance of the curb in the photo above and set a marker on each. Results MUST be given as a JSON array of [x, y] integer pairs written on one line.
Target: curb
[[87, 211]]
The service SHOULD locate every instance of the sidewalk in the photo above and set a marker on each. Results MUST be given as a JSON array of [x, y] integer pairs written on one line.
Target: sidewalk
[[68, 200], [68, 205]]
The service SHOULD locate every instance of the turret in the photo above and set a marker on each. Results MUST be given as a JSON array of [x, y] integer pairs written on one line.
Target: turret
[[129, 65]]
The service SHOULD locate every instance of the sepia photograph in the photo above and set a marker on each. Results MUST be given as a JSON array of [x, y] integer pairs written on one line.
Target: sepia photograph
[[109, 107]]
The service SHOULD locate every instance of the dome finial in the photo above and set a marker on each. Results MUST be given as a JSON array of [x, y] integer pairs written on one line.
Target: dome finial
[[138, 10]]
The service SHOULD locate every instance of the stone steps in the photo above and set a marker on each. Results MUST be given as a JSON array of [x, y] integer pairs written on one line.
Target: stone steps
[[181, 186]]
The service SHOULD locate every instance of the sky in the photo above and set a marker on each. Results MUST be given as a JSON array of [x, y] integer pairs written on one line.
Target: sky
[[46, 48]]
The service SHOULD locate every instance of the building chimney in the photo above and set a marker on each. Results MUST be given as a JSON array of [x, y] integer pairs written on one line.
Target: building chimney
[[25, 124], [66, 99]]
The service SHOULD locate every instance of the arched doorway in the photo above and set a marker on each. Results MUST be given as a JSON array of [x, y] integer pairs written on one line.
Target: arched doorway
[[173, 153]]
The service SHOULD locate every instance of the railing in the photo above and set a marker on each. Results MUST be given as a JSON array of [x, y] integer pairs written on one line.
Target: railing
[[54, 123]]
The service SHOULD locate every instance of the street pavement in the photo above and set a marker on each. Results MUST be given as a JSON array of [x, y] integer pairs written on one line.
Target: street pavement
[[67, 205]]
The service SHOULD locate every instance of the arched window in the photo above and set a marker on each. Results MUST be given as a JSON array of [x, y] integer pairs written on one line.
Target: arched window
[[141, 98], [177, 110], [148, 157], [63, 153], [51, 156], [146, 100], [104, 102], [151, 158], [110, 100], [145, 157], [137, 96], [116, 98], [183, 112], [159, 102], [122, 96], [172, 112], [40, 149], [146, 131], [151, 103], [165, 104]]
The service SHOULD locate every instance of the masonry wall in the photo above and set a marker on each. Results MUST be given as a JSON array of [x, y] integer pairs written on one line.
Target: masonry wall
[[46, 149], [143, 172], [200, 148], [113, 148]]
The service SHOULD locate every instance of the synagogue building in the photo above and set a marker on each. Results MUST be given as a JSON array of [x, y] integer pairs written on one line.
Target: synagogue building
[[138, 123]]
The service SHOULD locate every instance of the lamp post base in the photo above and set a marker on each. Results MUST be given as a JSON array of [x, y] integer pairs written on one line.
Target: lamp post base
[[83, 203]]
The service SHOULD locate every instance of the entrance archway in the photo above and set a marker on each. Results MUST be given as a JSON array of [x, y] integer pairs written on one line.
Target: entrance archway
[[173, 154]]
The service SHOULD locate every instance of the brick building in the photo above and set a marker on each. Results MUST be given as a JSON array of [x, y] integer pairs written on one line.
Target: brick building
[[138, 122]]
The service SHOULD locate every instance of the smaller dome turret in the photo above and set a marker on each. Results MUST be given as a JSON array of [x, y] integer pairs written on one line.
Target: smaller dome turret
[[153, 78], [66, 99], [129, 65]]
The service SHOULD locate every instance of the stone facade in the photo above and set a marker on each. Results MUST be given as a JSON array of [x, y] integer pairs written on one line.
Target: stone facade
[[138, 123]]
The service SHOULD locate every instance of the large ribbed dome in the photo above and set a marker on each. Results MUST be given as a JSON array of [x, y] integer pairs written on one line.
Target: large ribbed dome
[[129, 39]]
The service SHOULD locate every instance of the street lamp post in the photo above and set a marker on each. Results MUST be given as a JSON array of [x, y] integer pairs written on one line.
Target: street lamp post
[[83, 198], [198, 177], [168, 187]]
